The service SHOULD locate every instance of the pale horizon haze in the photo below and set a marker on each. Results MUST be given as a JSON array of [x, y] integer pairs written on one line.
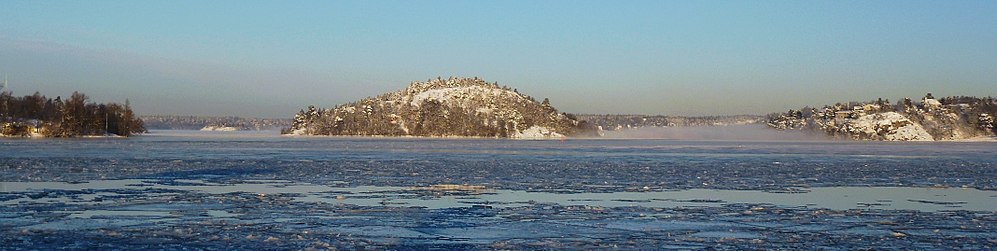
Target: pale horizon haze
[[272, 58]]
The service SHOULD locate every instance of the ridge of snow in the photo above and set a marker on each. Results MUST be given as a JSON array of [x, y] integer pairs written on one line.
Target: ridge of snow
[[450, 94]]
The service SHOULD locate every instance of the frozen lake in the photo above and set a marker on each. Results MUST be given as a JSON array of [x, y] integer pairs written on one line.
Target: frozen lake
[[174, 189]]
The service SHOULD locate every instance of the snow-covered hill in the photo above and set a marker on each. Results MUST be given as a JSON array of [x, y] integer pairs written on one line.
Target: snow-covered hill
[[953, 118], [441, 107]]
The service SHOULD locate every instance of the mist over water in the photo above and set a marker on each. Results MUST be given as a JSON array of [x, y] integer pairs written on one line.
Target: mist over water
[[733, 132]]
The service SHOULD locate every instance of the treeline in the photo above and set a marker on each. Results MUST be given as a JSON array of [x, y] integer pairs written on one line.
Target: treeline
[[178, 122], [615, 122], [75, 116]]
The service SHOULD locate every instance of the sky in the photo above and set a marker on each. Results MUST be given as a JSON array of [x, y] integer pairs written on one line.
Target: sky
[[272, 58]]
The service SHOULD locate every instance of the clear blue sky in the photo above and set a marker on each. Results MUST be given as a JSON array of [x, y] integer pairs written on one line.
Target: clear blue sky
[[271, 58]]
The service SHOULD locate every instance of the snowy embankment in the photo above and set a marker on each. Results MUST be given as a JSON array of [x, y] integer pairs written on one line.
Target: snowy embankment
[[219, 129], [537, 132], [532, 133]]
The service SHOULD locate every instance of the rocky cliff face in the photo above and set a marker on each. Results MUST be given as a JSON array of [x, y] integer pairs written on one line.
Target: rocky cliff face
[[950, 118], [441, 107]]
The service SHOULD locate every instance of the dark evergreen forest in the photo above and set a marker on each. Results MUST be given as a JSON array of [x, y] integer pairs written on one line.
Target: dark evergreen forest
[[72, 117]]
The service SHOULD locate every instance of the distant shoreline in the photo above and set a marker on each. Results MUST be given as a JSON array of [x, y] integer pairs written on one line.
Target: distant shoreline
[[609, 137]]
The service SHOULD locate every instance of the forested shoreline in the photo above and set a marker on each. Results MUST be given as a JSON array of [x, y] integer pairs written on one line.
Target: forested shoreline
[[37, 115]]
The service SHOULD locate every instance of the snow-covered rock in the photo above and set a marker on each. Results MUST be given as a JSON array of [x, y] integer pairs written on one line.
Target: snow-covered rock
[[890, 126], [537, 132], [297, 132]]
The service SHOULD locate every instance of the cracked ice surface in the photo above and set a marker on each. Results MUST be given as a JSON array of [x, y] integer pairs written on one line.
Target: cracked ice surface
[[251, 192]]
